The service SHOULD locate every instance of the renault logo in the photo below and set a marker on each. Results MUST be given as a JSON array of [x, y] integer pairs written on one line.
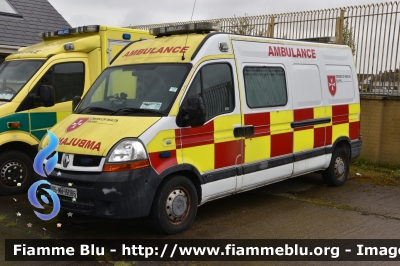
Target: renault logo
[[66, 161]]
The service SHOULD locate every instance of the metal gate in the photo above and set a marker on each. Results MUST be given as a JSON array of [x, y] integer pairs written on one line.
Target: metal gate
[[372, 31]]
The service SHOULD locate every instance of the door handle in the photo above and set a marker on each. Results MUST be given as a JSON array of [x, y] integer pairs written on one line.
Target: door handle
[[244, 131]]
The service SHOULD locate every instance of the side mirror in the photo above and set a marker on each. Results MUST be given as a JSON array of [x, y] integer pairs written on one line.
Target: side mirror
[[75, 101], [47, 97], [192, 113], [44, 97]]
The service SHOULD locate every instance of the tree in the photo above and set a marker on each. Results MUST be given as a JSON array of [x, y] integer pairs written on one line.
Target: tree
[[348, 37], [244, 26]]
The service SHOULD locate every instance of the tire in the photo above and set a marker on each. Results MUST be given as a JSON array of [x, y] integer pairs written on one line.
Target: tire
[[16, 172], [338, 171], [174, 206]]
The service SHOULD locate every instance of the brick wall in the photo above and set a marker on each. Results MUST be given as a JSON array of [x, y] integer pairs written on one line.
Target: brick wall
[[380, 128]]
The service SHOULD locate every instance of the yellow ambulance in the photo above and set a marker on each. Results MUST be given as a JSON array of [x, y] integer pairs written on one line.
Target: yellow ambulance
[[68, 60], [195, 115]]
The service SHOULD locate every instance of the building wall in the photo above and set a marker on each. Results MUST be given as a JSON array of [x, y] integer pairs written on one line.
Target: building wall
[[380, 128]]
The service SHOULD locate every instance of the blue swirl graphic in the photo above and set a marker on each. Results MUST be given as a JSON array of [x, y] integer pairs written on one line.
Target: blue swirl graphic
[[33, 200], [44, 153], [49, 167]]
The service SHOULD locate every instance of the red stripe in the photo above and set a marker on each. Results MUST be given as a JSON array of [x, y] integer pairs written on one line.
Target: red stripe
[[198, 136], [160, 164], [303, 114], [328, 135], [281, 144], [343, 119], [178, 138], [340, 110], [261, 123], [354, 130], [340, 114], [226, 153], [319, 137], [259, 119]]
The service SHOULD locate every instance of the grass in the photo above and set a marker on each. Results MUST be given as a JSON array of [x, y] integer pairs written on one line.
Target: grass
[[11, 224], [379, 174], [123, 263], [105, 258], [3, 217]]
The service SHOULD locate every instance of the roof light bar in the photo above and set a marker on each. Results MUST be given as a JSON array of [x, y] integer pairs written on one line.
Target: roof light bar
[[201, 27], [64, 32]]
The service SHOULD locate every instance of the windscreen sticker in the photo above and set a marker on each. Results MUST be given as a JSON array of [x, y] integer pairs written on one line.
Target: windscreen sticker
[[6, 96], [104, 121], [173, 89], [151, 105]]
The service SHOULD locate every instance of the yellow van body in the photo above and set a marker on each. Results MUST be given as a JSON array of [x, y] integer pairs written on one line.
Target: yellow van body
[[70, 63], [180, 120]]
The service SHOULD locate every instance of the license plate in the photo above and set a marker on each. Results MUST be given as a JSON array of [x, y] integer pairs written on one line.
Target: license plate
[[65, 191]]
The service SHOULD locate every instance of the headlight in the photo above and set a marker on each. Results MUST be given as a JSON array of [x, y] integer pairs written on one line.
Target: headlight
[[127, 150]]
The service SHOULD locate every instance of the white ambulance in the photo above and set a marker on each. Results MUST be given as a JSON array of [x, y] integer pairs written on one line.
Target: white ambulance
[[192, 116]]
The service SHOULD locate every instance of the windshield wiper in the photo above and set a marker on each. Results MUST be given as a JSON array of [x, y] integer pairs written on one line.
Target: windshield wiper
[[94, 108], [137, 110]]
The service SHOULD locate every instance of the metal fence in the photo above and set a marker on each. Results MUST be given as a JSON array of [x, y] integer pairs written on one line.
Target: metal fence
[[372, 31]]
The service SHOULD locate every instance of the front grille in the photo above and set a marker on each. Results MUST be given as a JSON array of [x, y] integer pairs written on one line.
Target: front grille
[[86, 160], [80, 205], [60, 154], [64, 182]]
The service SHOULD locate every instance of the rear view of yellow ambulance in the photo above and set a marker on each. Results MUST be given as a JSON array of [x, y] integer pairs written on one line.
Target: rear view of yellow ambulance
[[192, 116]]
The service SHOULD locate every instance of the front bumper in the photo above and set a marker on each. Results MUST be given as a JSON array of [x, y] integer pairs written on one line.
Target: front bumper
[[127, 194]]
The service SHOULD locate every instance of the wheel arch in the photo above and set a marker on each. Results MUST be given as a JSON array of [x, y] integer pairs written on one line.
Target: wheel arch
[[342, 142], [21, 146], [188, 171]]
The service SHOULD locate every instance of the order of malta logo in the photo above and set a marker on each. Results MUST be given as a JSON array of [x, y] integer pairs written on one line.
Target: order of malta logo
[[78, 122], [45, 170], [332, 85]]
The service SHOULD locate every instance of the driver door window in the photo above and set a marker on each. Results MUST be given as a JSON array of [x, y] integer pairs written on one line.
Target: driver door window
[[214, 84], [67, 79]]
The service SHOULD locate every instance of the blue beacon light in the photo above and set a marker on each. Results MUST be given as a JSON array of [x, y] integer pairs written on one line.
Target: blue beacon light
[[126, 36]]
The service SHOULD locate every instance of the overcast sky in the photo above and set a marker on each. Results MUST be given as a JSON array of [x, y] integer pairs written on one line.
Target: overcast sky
[[134, 12]]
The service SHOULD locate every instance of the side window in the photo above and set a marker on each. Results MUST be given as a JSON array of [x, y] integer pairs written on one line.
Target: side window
[[265, 86], [214, 83], [67, 80]]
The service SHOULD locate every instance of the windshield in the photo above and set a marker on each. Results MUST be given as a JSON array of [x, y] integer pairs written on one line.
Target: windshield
[[15, 74], [148, 89]]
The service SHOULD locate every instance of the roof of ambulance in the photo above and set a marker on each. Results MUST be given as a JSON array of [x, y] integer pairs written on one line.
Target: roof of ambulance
[[165, 49]]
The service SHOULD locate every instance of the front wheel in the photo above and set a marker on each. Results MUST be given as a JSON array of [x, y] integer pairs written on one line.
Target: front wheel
[[16, 172], [175, 206], [338, 171]]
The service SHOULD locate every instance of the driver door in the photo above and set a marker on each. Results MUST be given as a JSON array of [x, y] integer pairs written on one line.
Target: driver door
[[212, 148], [69, 79]]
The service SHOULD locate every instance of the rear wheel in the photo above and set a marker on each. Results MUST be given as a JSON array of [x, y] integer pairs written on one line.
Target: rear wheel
[[175, 206], [338, 171], [16, 172]]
